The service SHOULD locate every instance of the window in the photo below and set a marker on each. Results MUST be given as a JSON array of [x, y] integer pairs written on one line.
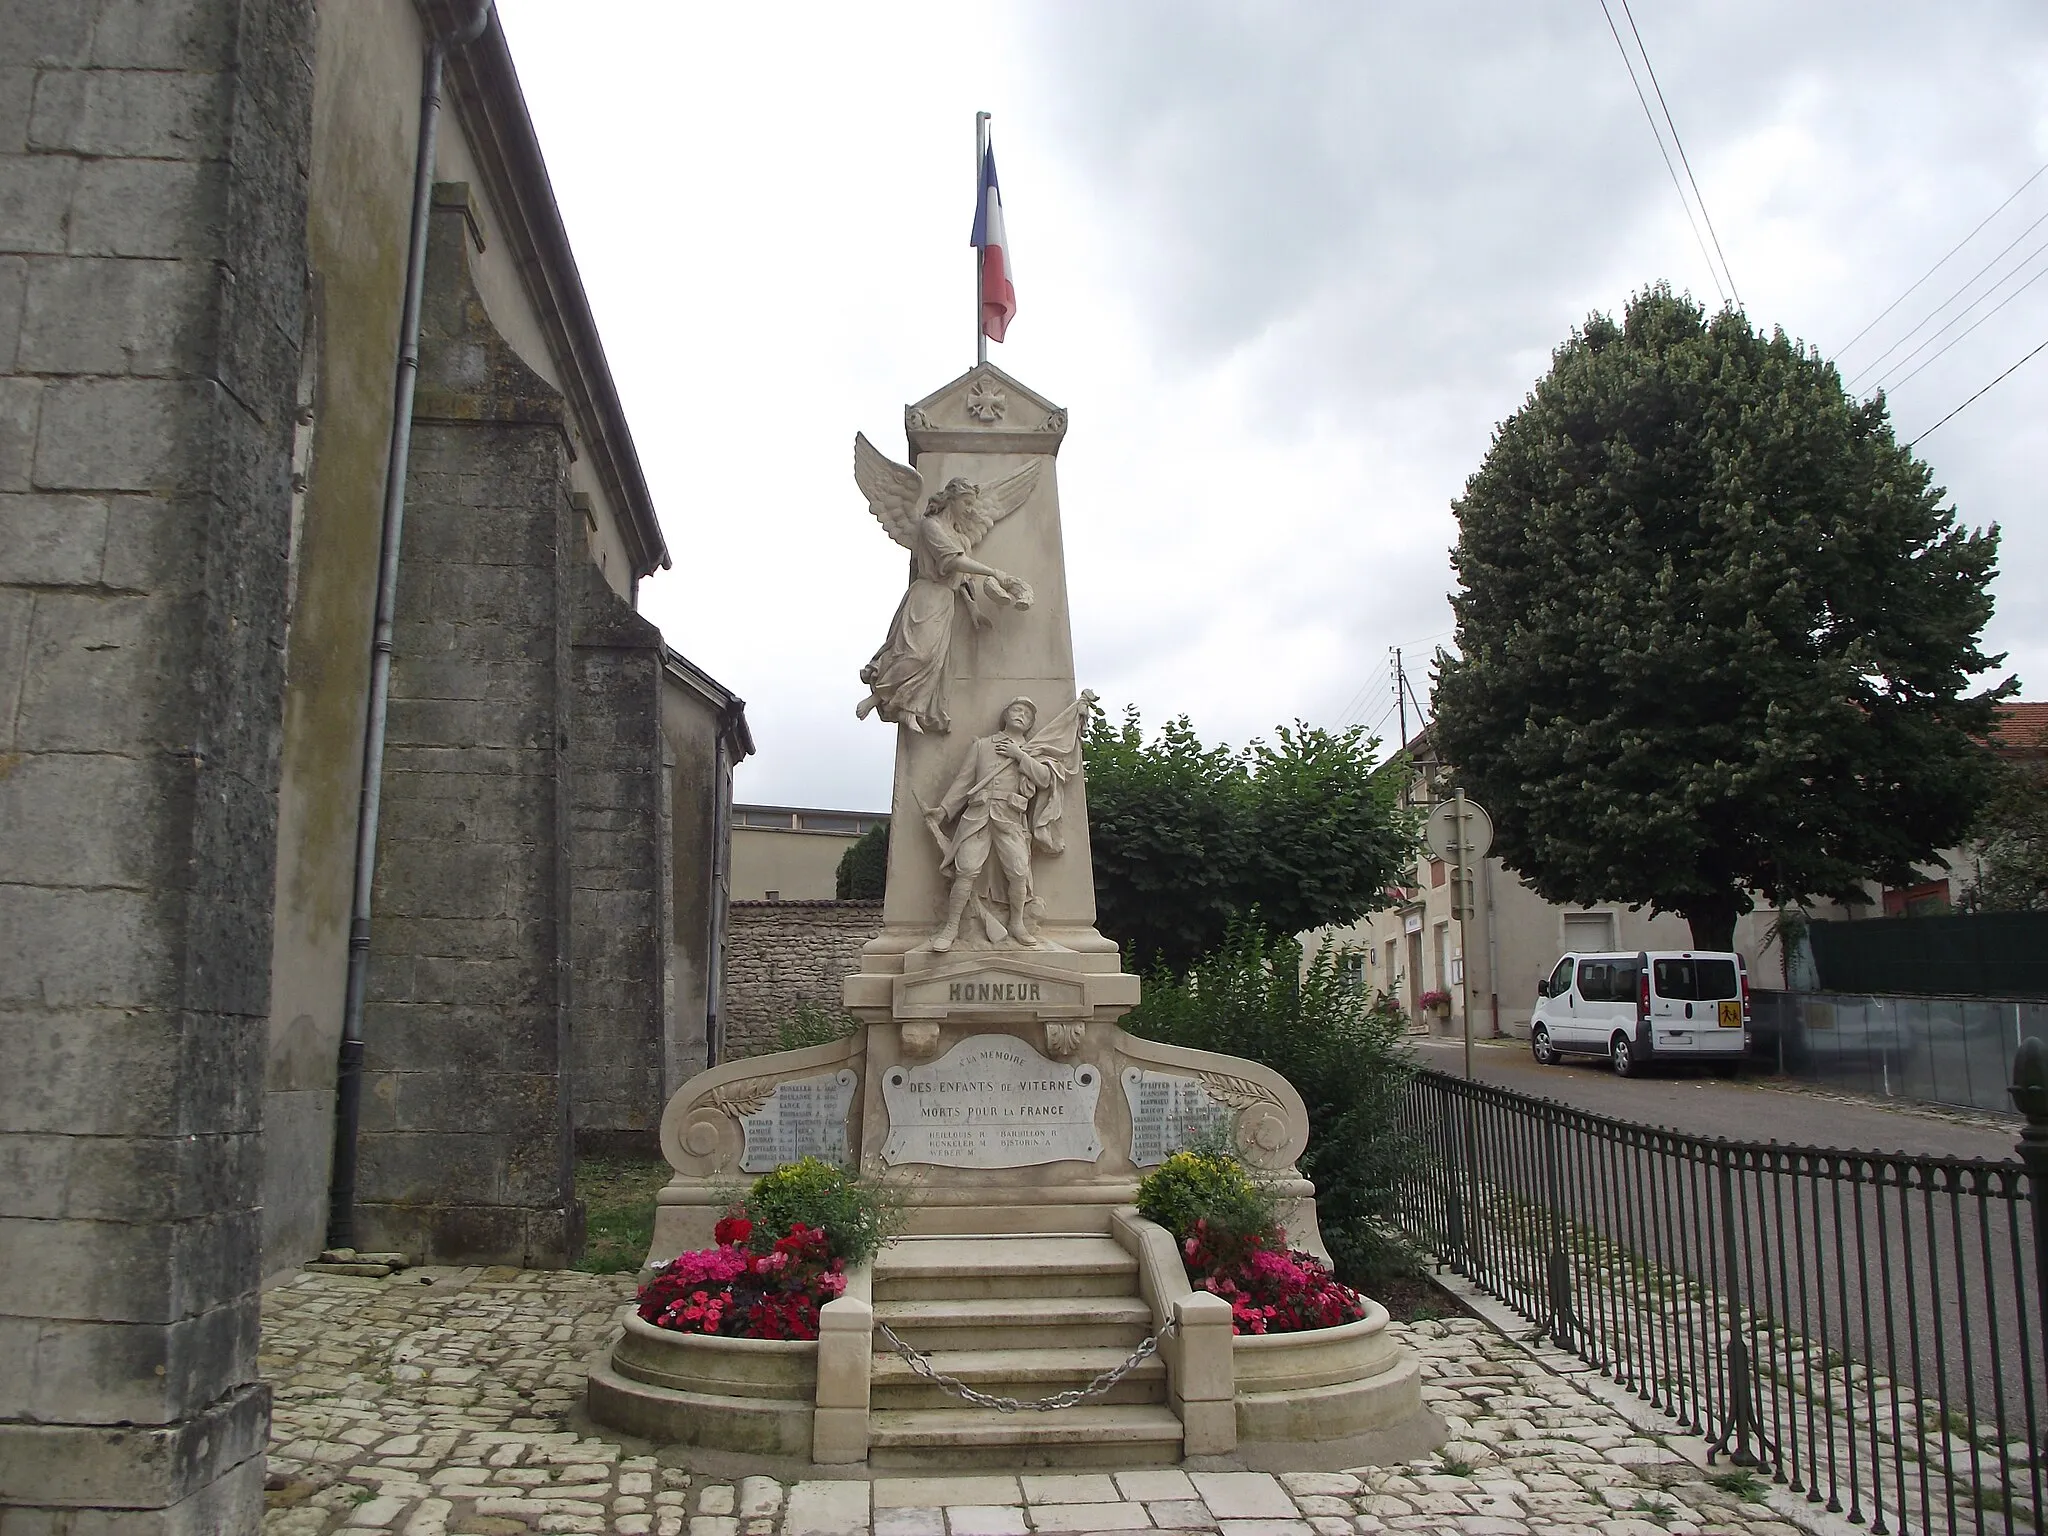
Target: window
[[1596, 981], [818, 821], [1436, 871], [1696, 980], [1351, 971], [1561, 978], [772, 896]]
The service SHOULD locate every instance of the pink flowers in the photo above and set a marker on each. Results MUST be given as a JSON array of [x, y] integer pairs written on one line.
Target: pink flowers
[[731, 1290], [1270, 1288]]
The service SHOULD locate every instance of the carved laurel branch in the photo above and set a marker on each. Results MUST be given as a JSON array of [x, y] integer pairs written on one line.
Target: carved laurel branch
[[1235, 1092], [744, 1097]]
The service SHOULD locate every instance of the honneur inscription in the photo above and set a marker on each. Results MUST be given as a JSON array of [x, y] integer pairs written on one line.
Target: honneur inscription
[[992, 992], [991, 1102]]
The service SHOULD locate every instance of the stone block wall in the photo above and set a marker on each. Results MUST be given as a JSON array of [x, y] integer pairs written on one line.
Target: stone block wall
[[152, 284], [782, 953], [619, 896], [464, 1153]]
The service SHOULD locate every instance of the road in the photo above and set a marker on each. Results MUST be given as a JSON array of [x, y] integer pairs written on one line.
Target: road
[[1747, 1108]]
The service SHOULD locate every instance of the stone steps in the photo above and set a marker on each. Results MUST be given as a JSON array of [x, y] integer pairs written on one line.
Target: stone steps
[[1056, 1264], [1126, 1435], [1081, 1322], [1020, 1373], [1023, 1317]]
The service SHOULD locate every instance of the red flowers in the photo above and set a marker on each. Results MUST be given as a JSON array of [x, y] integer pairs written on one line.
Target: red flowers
[[732, 1291], [1269, 1288]]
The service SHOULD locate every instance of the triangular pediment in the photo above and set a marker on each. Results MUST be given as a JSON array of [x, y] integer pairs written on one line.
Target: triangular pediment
[[984, 410]]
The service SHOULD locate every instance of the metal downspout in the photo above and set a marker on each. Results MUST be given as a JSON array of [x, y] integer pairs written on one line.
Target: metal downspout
[[348, 1098], [721, 891]]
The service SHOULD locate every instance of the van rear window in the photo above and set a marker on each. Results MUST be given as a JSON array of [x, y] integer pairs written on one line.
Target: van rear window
[[1696, 980]]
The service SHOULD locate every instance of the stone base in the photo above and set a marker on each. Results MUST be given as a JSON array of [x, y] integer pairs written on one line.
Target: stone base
[[689, 1389], [1326, 1384]]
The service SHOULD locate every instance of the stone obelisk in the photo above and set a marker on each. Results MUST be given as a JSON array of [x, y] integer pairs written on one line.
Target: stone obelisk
[[1005, 637]]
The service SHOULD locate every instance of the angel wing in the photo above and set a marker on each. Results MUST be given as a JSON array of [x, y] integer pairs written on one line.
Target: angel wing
[[895, 493], [992, 503]]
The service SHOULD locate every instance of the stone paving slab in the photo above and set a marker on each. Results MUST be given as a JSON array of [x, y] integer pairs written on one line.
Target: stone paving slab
[[440, 1402]]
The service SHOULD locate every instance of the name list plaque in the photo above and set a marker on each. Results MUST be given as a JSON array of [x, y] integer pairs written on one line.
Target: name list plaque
[[805, 1117], [991, 1102], [1167, 1112]]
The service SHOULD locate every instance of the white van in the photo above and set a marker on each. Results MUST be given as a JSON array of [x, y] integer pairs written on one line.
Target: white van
[[1650, 1006]]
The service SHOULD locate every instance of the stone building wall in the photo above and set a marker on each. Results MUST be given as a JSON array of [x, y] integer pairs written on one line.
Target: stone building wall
[[152, 289], [464, 1151], [620, 887], [781, 953]]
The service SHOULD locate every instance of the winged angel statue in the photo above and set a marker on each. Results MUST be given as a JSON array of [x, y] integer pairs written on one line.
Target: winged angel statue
[[907, 677]]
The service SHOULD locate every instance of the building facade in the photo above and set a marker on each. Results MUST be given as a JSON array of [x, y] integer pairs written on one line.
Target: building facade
[[789, 853], [205, 216]]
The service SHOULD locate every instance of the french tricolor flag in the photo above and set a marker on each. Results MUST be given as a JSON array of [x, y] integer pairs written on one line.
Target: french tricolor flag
[[998, 292]]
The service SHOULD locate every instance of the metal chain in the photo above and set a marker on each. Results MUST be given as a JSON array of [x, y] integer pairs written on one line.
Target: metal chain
[[922, 1365]]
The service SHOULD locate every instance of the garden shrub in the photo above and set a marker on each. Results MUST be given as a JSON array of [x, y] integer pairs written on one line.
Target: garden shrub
[[855, 1216], [1341, 1048]]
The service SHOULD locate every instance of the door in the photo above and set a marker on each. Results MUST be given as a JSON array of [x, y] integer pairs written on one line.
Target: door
[[1593, 1012], [1555, 1009]]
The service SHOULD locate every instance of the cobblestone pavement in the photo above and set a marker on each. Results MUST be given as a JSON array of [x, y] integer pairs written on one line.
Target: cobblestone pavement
[[437, 1403]]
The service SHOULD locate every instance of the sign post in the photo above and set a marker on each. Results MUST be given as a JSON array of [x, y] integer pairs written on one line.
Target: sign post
[[1459, 832]]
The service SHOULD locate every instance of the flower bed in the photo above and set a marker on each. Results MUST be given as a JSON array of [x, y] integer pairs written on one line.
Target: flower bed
[[732, 1291], [1226, 1221], [1270, 1288]]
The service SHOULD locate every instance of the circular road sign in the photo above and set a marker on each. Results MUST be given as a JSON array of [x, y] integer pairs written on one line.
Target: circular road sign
[[1440, 831]]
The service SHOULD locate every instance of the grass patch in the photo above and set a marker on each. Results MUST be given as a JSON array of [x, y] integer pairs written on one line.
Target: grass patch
[[1741, 1482], [1453, 1466], [618, 1200], [1655, 1510]]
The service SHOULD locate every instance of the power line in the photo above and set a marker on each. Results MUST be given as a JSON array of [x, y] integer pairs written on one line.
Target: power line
[[1962, 288], [1895, 303], [1952, 415], [1651, 118], [1670, 123], [2023, 287]]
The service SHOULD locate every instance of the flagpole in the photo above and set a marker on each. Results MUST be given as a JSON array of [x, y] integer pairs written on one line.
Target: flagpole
[[980, 193]]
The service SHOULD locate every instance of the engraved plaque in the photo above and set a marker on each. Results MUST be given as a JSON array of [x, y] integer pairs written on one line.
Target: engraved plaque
[[991, 1102], [805, 1117], [1166, 1113], [997, 989]]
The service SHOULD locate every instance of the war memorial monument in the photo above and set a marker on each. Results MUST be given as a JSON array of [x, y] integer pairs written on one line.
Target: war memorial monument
[[990, 1080]]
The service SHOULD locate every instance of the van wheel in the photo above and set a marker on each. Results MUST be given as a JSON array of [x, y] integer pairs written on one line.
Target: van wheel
[[1540, 1046], [1623, 1056]]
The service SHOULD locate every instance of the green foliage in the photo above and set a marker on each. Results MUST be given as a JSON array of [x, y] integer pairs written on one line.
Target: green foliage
[[1714, 628], [856, 1217], [1741, 1482], [864, 868], [1190, 839], [1207, 1183], [618, 1202], [1343, 1051], [2011, 837], [813, 1024]]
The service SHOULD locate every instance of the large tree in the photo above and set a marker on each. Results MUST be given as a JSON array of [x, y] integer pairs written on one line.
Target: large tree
[[1715, 628], [1188, 839]]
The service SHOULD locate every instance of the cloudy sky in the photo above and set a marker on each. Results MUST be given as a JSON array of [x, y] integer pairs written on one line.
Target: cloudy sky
[[1286, 266]]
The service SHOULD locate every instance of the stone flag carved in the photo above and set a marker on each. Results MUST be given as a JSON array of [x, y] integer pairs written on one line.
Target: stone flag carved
[[907, 677]]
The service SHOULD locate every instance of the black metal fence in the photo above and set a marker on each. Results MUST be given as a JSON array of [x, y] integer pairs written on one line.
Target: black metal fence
[[1932, 1050], [1865, 1329]]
